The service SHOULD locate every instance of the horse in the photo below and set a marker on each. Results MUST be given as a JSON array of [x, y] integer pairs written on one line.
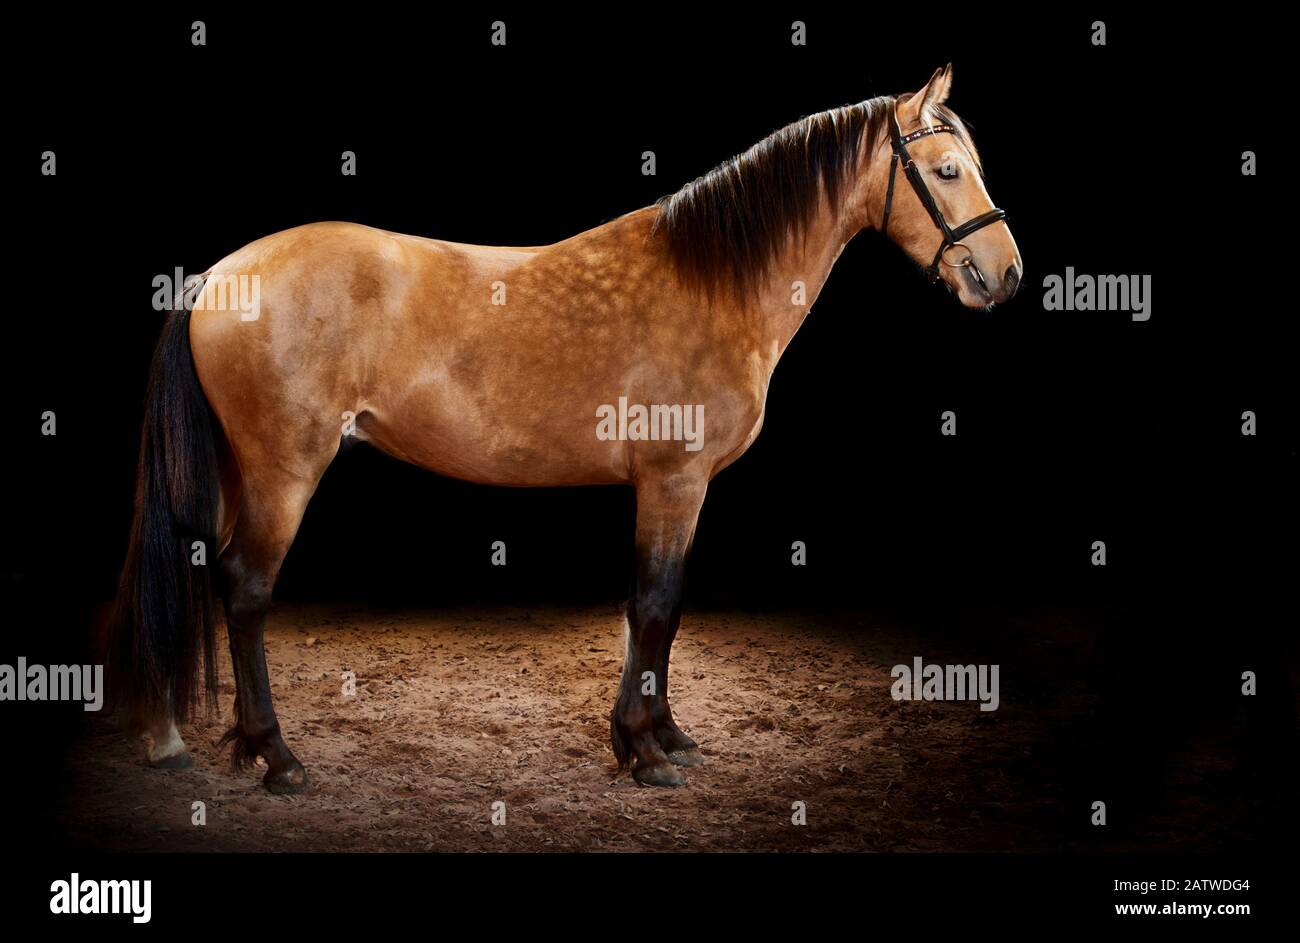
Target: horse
[[500, 365]]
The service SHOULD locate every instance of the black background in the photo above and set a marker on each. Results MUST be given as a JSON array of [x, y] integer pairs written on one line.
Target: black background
[[1073, 427]]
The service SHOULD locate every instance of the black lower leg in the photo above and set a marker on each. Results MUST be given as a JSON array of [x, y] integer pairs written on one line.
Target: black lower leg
[[681, 749], [632, 724], [642, 727], [256, 731]]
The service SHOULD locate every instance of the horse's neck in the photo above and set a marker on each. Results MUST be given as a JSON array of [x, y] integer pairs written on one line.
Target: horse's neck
[[798, 274]]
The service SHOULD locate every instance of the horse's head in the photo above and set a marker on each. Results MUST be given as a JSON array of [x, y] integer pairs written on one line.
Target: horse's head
[[931, 186]]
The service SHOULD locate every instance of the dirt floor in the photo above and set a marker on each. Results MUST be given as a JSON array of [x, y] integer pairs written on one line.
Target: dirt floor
[[456, 710]]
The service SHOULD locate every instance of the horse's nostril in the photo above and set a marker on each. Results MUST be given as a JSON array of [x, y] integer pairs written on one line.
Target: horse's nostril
[[1011, 280]]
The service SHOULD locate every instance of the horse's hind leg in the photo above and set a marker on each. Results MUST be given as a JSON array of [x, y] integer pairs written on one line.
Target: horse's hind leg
[[271, 508], [641, 727], [166, 749]]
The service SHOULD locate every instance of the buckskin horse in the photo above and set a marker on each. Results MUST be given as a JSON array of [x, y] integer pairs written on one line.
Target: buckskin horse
[[689, 301]]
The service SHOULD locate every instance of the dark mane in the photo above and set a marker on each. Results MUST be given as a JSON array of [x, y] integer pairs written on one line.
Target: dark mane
[[724, 229]]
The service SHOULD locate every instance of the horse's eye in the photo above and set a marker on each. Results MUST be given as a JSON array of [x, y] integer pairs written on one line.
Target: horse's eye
[[947, 171]]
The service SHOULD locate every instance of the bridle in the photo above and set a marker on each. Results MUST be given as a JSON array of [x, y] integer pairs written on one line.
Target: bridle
[[951, 237]]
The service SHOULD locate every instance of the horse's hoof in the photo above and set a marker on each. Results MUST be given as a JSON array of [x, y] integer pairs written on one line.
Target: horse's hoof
[[181, 760], [660, 774], [691, 756], [287, 782]]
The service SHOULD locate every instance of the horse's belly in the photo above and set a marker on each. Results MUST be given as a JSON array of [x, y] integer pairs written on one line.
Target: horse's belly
[[474, 447]]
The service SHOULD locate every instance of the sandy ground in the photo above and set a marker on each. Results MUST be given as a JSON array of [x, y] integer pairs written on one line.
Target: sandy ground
[[456, 710]]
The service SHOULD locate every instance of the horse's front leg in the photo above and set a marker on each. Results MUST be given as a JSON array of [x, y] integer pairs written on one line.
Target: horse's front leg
[[680, 748], [641, 726]]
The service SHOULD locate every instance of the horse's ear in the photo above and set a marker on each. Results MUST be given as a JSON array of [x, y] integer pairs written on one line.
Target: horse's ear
[[939, 95], [934, 93]]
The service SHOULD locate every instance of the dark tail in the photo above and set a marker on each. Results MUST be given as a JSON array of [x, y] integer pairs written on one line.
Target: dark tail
[[163, 635]]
